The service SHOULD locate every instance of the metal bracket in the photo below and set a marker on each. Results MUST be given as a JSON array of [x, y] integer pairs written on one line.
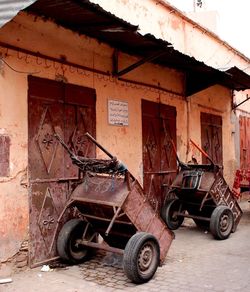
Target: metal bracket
[[118, 73], [235, 106]]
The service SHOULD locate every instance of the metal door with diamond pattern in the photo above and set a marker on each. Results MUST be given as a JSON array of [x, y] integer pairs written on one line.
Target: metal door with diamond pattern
[[159, 159], [211, 137], [69, 110], [244, 142]]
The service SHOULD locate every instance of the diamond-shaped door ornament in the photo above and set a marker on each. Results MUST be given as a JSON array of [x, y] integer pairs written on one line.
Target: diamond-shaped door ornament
[[151, 145], [151, 195], [207, 144], [47, 217], [79, 141], [167, 145], [46, 142]]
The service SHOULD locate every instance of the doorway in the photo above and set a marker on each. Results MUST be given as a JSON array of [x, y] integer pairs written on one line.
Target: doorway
[[159, 158], [211, 137], [69, 110]]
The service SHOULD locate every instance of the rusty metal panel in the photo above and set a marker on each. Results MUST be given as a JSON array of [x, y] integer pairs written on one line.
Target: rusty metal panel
[[145, 216], [159, 128], [223, 196], [211, 137], [101, 190], [46, 204], [146, 219], [80, 112], [168, 156], [4, 155], [46, 155], [53, 109], [133, 201], [244, 143], [242, 177]]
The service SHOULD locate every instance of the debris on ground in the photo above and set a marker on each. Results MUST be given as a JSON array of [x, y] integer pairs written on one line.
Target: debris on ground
[[46, 268], [5, 280]]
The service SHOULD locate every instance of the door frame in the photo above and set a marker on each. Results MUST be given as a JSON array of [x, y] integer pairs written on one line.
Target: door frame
[[47, 200]]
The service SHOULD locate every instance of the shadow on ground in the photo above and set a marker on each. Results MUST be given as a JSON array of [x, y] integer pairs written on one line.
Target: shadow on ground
[[106, 269]]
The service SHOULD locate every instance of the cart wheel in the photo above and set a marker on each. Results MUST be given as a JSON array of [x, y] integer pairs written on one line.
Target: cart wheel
[[221, 222], [172, 221], [67, 246], [141, 257]]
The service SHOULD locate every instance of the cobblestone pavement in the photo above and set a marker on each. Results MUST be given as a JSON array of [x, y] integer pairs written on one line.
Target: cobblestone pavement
[[195, 262]]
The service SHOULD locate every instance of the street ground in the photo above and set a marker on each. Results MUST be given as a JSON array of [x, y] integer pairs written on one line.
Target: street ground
[[195, 262]]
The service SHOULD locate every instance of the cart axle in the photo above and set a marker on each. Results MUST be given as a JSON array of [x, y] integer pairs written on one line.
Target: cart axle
[[191, 216]]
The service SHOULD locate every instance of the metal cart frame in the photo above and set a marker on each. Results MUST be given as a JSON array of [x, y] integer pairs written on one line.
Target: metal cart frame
[[110, 202], [200, 192]]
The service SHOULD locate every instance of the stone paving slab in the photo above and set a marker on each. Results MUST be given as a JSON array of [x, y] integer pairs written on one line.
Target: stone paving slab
[[195, 262]]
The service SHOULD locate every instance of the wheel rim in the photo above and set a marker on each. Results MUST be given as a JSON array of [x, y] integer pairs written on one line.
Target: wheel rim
[[76, 250], [225, 223], [147, 258], [175, 219]]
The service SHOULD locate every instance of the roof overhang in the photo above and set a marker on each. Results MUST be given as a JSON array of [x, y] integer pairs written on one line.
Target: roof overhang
[[90, 19], [239, 78]]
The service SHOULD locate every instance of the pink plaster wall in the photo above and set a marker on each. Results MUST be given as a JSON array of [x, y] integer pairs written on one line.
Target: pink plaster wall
[[124, 142], [13, 193]]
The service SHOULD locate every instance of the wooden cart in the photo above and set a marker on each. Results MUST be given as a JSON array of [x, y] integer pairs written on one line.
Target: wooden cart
[[200, 192], [110, 202]]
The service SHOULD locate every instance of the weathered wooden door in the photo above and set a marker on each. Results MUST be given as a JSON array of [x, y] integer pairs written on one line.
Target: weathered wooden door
[[244, 142], [159, 159], [69, 110], [211, 137]]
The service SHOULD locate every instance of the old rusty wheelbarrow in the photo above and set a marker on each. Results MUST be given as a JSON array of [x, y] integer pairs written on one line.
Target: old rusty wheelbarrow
[[200, 192], [111, 204]]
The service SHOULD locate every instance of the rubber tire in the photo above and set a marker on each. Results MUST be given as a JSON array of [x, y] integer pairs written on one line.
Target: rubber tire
[[215, 222], [166, 214], [71, 230], [132, 253]]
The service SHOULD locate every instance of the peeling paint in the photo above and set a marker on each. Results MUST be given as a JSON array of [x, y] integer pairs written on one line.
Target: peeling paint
[[9, 179], [2, 131], [175, 23]]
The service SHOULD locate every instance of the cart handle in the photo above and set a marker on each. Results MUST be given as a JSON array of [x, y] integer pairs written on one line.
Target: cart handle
[[181, 164], [202, 151], [100, 146]]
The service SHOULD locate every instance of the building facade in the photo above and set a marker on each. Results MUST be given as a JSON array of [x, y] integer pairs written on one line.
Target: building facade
[[54, 79]]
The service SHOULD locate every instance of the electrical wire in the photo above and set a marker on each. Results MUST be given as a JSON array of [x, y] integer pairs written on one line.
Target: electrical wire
[[17, 71], [99, 76]]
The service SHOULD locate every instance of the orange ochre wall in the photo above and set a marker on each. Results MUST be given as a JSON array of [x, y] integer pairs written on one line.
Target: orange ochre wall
[[125, 142]]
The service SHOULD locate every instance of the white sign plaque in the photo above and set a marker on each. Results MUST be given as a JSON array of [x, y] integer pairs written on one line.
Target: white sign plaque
[[118, 112]]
